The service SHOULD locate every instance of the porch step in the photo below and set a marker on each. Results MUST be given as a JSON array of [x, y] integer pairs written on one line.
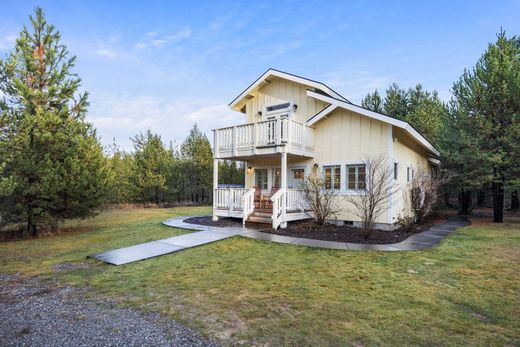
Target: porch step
[[259, 219], [262, 214]]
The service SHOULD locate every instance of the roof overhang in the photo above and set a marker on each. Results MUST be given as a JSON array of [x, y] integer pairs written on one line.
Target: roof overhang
[[264, 79], [371, 114]]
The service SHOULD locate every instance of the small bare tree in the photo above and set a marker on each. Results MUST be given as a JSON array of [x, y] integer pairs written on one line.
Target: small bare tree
[[375, 198], [317, 198], [425, 191]]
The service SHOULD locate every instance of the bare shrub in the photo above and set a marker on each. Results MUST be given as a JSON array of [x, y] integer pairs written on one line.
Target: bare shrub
[[376, 198], [317, 198], [425, 192]]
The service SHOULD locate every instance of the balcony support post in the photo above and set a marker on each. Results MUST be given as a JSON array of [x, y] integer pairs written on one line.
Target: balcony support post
[[284, 189], [215, 186]]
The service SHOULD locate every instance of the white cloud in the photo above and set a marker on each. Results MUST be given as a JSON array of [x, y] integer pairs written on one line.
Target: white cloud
[[156, 40], [123, 116], [107, 53]]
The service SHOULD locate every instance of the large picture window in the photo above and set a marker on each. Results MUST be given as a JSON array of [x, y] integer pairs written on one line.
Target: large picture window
[[261, 178], [356, 177], [332, 176]]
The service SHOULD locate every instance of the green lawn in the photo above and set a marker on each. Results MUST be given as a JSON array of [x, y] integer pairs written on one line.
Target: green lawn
[[464, 292]]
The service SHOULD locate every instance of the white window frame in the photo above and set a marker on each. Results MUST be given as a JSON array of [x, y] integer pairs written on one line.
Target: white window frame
[[266, 178], [334, 167], [276, 114], [356, 175]]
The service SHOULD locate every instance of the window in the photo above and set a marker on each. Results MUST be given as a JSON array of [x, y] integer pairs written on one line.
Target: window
[[356, 177], [278, 107], [298, 174], [261, 178], [409, 174], [396, 171], [332, 177], [276, 178]]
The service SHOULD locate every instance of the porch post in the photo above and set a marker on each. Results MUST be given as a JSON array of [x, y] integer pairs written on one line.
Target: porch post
[[284, 190], [215, 186]]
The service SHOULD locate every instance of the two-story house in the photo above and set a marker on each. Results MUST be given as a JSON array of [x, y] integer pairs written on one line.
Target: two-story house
[[292, 124]]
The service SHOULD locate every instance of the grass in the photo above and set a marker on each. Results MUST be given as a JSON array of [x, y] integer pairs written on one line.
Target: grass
[[466, 291]]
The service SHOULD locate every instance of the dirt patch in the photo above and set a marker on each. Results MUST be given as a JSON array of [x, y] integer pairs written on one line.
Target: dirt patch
[[221, 223]]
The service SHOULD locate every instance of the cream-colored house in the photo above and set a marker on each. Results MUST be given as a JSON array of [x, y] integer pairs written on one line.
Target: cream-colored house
[[292, 124]]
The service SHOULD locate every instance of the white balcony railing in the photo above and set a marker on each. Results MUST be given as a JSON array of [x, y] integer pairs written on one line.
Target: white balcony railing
[[247, 138]]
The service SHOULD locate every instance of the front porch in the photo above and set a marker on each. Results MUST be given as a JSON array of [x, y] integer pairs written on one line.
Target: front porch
[[282, 207]]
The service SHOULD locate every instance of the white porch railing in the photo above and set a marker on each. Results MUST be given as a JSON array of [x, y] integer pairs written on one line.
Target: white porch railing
[[229, 198], [294, 202], [248, 204], [241, 202], [283, 131], [278, 210]]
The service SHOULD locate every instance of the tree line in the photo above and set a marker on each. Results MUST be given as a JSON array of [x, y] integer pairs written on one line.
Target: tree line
[[477, 131], [52, 164]]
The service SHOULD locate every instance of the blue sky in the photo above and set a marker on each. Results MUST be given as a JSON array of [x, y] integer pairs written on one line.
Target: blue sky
[[165, 65]]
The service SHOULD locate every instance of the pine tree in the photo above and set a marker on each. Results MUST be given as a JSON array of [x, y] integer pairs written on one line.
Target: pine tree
[[197, 162], [52, 155], [488, 97], [153, 167], [373, 102]]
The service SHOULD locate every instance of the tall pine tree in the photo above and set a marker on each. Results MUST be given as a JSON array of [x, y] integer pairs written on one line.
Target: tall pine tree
[[488, 100], [51, 155]]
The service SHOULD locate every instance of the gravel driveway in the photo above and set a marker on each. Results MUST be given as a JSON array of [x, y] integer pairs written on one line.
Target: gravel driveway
[[37, 313]]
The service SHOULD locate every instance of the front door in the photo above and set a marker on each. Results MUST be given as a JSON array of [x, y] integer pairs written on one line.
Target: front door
[[295, 179]]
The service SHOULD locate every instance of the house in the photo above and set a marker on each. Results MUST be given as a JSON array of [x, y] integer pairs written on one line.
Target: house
[[293, 123]]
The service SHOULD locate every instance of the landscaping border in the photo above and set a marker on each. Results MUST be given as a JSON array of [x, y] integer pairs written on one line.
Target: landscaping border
[[422, 240]]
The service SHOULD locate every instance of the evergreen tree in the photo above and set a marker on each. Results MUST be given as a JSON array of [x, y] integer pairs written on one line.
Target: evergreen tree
[[422, 109], [197, 160], [122, 170], [488, 98], [396, 101], [373, 102], [153, 167], [51, 155]]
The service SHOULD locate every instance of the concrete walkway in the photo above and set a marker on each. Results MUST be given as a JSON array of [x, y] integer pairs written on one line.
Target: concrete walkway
[[206, 234]]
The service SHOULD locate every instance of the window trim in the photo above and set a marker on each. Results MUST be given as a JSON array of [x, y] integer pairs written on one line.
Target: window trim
[[356, 177], [333, 167], [266, 178]]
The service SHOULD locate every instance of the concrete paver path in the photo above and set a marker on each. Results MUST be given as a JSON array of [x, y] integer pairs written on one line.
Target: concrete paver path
[[207, 234]]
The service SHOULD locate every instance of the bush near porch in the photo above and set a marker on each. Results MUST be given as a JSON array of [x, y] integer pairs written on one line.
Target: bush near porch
[[466, 291]]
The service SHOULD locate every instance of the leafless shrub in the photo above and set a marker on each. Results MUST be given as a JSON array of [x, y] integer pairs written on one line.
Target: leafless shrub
[[425, 191], [376, 198], [317, 198]]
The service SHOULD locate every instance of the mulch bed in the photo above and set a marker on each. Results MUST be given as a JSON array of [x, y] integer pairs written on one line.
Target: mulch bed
[[222, 222], [308, 229], [329, 232]]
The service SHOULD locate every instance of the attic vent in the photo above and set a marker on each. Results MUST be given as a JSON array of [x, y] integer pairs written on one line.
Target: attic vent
[[278, 107]]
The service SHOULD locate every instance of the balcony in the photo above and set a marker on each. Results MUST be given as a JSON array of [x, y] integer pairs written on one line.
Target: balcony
[[264, 138]]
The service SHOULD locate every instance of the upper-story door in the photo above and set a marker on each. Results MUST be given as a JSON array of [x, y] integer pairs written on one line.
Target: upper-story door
[[273, 114]]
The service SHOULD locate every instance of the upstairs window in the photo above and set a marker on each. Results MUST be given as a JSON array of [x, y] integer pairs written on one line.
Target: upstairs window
[[278, 107], [356, 177], [396, 171], [332, 176]]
